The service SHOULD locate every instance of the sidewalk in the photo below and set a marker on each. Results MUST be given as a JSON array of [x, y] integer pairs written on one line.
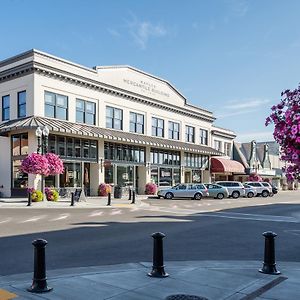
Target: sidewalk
[[85, 202], [230, 280]]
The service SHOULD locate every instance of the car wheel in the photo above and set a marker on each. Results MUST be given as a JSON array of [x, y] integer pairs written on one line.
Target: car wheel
[[235, 194], [220, 196], [250, 195], [265, 194], [169, 196], [271, 194], [197, 196]]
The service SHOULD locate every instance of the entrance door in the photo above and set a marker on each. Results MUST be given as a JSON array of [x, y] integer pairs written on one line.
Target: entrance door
[[86, 179], [187, 176]]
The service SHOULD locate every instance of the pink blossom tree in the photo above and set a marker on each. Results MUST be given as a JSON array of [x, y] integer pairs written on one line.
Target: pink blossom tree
[[35, 163], [286, 119], [56, 165]]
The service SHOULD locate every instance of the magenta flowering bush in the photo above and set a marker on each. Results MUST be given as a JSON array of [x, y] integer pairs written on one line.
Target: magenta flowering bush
[[286, 119], [35, 163], [151, 189], [56, 165], [254, 177], [104, 189]]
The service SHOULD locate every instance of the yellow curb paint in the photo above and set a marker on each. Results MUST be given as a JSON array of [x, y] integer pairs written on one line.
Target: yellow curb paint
[[5, 295]]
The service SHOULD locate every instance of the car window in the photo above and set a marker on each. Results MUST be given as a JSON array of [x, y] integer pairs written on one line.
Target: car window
[[265, 184], [223, 183], [182, 187], [192, 187], [214, 186], [200, 186]]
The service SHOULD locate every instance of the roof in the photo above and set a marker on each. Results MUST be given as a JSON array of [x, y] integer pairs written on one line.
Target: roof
[[66, 127], [223, 165]]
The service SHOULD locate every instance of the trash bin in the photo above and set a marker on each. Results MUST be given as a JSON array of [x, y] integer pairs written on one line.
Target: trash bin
[[118, 192]]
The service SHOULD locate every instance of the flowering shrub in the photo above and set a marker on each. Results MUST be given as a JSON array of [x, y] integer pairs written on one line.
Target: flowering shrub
[[150, 189], [104, 189], [51, 194], [254, 177], [36, 195], [286, 119], [56, 165], [35, 163]]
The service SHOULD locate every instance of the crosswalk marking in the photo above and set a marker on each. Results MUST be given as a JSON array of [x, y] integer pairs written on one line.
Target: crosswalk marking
[[61, 217], [33, 219], [5, 221], [96, 213], [116, 212]]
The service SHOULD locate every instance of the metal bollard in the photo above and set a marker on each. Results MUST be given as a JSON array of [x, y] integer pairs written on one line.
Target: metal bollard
[[269, 265], [39, 283], [108, 199], [158, 268], [29, 199], [133, 197], [72, 199], [130, 192]]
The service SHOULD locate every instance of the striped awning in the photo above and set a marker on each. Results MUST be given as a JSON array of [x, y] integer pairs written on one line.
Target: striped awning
[[223, 165], [69, 128]]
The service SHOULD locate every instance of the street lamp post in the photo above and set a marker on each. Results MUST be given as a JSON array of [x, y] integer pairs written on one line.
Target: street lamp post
[[42, 138]]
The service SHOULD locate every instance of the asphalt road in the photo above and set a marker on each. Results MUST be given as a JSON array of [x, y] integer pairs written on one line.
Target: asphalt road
[[207, 230]]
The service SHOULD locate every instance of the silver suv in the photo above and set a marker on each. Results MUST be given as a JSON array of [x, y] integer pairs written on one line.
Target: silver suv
[[261, 189], [235, 188]]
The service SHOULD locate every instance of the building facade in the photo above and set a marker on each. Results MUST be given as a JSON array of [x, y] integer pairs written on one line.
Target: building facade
[[117, 125]]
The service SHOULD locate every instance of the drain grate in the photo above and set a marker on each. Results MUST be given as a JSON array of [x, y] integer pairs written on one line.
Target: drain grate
[[185, 297]]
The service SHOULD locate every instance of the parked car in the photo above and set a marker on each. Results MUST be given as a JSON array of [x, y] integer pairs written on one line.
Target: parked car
[[274, 188], [216, 190], [194, 191], [250, 191], [235, 188], [261, 190]]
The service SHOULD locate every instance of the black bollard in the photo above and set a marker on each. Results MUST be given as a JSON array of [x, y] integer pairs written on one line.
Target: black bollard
[[29, 199], [130, 192], [108, 199], [39, 283], [133, 197], [269, 265], [158, 268], [72, 199]]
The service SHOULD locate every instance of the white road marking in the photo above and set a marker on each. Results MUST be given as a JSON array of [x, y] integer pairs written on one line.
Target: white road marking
[[61, 217], [33, 219], [96, 213], [5, 221], [134, 209], [116, 212]]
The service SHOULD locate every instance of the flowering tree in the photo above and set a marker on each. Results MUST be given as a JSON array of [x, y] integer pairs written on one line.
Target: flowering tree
[[254, 177], [151, 188], [56, 165], [35, 163], [286, 118]]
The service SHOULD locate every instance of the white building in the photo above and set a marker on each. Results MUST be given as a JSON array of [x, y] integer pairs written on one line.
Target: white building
[[113, 124]]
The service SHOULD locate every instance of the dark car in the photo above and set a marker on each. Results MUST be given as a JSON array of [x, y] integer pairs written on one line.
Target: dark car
[[274, 189]]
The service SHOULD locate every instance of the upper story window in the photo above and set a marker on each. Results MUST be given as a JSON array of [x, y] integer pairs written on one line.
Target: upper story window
[[203, 137], [173, 130], [114, 118], [218, 145], [85, 112], [136, 123], [157, 127], [5, 107], [190, 134], [56, 106], [22, 104], [227, 149], [19, 144]]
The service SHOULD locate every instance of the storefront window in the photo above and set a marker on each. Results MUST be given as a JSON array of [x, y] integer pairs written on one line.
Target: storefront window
[[196, 176], [176, 176], [50, 181], [19, 144], [109, 174], [70, 147], [154, 175], [165, 176], [125, 175], [61, 146], [20, 179], [159, 157], [72, 175], [196, 160]]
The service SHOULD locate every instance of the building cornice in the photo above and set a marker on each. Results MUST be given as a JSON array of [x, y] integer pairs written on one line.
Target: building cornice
[[48, 71], [223, 134]]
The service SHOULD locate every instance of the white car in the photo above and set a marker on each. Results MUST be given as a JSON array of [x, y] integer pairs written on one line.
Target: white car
[[235, 188], [261, 189], [195, 191]]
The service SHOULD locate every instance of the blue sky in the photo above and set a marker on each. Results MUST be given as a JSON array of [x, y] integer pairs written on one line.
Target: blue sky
[[233, 57]]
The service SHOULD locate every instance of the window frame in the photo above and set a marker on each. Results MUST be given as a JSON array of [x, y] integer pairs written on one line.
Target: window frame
[[22, 104], [135, 123], [172, 131], [5, 108], [113, 118], [84, 111], [203, 136], [189, 136], [155, 128], [56, 106]]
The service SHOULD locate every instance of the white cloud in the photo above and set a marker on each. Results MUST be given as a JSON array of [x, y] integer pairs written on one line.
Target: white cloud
[[238, 8], [113, 32], [247, 103], [260, 136], [142, 31], [233, 113]]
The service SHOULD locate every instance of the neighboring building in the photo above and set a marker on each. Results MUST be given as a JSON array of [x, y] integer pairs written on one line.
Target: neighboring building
[[116, 124], [261, 158]]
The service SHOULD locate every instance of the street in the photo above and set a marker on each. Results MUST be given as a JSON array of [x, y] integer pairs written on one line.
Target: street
[[229, 229]]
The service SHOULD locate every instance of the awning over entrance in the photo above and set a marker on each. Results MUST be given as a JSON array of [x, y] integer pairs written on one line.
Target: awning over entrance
[[66, 127], [223, 165]]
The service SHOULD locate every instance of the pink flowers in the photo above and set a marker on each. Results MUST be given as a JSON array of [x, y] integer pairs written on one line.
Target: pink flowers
[[49, 164], [254, 177], [104, 189], [286, 117], [151, 189]]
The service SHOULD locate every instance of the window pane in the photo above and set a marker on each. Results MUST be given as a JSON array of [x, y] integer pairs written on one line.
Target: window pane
[[52, 144], [86, 149], [49, 111], [153, 131], [79, 116], [160, 123], [61, 146], [139, 128], [22, 97], [154, 122], [22, 111], [79, 105], [132, 127], [20, 180], [70, 147], [90, 119], [5, 114], [117, 124], [93, 149], [24, 144], [140, 119], [61, 100], [109, 122], [50, 98], [109, 112], [77, 148], [118, 114], [90, 107], [16, 145], [61, 113], [132, 117]]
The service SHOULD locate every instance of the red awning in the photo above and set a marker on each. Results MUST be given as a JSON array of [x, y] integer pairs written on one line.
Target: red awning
[[223, 165]]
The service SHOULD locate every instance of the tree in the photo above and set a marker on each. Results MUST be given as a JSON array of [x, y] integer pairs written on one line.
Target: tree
[[286, 119]]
